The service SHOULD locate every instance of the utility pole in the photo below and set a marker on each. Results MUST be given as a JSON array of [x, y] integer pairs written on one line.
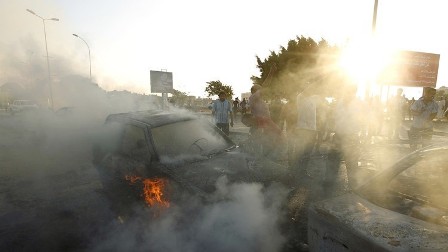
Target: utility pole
[[46, 49], [375, 9]]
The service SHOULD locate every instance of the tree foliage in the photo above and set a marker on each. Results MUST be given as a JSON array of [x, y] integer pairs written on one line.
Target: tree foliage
[[303, 62], [179, 98], [214, 87]]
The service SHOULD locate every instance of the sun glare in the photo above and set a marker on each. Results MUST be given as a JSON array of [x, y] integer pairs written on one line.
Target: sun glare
[[363, 62]]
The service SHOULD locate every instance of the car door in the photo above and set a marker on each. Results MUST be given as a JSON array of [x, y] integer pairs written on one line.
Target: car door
[[142, 172], [420, 190]]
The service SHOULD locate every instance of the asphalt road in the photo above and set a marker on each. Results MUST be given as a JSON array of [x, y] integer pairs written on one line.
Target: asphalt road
[[50, 194], [51, 198]]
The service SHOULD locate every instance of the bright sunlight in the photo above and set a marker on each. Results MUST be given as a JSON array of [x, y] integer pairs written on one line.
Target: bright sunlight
[[364, 61]]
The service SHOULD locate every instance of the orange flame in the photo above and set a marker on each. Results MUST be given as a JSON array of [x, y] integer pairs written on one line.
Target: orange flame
[[152, 190]]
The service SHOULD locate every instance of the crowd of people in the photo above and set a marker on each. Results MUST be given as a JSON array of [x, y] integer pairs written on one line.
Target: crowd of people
[[303, 121]]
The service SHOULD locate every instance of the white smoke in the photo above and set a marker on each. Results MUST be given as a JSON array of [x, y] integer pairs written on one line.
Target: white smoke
[[247, 217]]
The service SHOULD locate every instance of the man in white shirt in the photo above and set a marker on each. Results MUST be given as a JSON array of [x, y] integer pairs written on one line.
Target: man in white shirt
[[306, 129], [424, 111], [222, 110], [396, 114]]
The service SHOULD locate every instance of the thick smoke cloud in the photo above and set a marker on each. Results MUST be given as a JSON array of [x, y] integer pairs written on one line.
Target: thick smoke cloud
[[245, 218], [52, 197]]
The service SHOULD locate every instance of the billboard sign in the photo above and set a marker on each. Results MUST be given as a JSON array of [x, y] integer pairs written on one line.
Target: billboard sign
[[161, 82], [411, 69]]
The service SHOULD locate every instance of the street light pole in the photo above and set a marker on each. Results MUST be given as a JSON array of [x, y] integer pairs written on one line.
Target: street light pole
[[90, 61], [369, 85], [46, 49], [375, 8]]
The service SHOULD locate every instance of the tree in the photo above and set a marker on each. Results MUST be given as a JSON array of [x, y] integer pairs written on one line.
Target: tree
[[302, 63], [214, 87], [179, 98]]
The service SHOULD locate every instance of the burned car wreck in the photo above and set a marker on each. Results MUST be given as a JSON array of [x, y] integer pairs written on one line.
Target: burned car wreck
[[166, 154], [402, 208]]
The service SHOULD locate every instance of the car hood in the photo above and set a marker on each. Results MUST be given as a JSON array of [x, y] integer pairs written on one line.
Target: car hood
[[362, 225], [237, 166]]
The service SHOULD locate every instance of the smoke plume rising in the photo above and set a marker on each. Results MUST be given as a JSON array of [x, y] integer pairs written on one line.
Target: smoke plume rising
[[247, 218]]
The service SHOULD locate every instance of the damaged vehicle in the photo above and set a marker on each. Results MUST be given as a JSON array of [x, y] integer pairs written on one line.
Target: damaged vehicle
[[157, 156], [402, 208]]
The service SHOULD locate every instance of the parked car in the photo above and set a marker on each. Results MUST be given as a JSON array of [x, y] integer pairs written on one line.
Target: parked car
[[186, 151], [65, 111], [22, 105], [402, 208]]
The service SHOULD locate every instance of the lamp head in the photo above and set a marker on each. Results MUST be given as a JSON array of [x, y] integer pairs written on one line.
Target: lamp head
[[30, 11]]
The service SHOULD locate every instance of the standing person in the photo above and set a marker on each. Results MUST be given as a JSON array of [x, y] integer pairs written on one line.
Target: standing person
[[275, 109], [396, 111], [445, 108], [441, 108], [306, 129], [222, 110], [264, 127], [349, 114], [243, 105], [424, 111], [260, 111], [236, 104], [321, 121], [288, 116], [411, 116]]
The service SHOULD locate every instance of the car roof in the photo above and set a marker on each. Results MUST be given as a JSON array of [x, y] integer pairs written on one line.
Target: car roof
[[153, 118]]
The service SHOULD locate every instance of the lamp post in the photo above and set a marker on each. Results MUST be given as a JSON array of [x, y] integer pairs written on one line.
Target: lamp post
[[46, 49], [375, 9], [90, 61]]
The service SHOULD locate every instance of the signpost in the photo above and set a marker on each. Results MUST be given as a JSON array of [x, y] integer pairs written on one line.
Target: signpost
[[411, 69], [162, 82]]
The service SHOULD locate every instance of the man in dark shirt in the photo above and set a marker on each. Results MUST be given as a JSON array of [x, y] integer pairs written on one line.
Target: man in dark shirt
[[236, 104]]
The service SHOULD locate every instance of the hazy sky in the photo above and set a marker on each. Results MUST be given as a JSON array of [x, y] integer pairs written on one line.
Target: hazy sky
[[201, 40]]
